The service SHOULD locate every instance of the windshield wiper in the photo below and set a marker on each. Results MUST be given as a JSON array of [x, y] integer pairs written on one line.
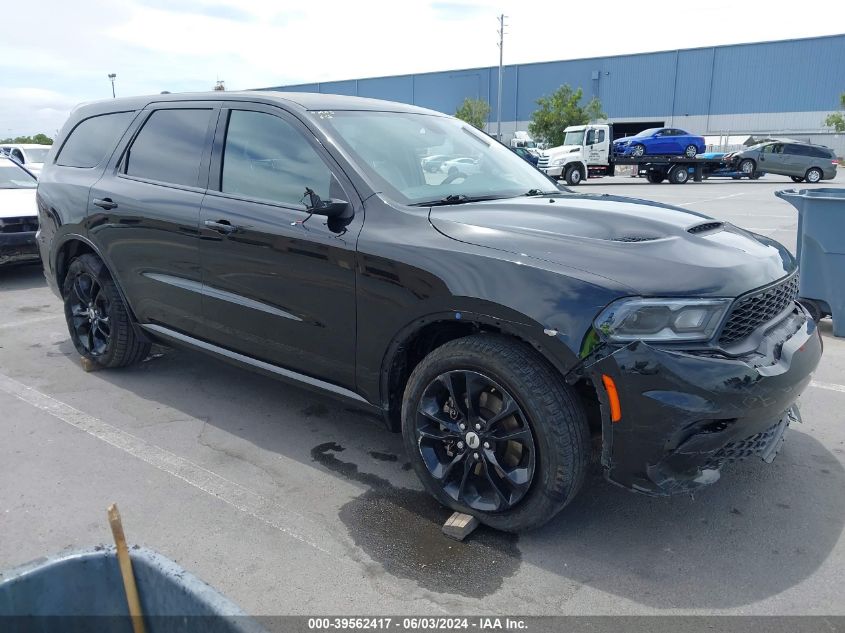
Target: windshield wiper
[[539, 192], [454, 198]]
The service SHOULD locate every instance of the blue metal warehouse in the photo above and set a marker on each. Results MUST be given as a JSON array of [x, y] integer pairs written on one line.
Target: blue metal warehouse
[[784, 87]]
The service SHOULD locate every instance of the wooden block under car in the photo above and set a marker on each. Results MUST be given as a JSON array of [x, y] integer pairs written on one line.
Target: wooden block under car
[[459, 526]]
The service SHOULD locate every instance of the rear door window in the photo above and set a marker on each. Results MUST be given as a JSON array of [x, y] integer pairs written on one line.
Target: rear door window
[[266, 158], [169, 148], [93, 139], [795, 150]]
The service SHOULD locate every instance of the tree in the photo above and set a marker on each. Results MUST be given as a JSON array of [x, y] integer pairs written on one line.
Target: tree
[[837, 119], [38, 139], [560, 110], [220, 86], [474, 112]]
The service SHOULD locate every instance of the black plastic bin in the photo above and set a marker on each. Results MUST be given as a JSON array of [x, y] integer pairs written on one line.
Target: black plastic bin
[[84, 592], [821, 250]]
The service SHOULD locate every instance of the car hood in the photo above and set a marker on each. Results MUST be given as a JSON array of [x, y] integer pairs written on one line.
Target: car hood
[[561, 150], [16, 203], [640, 247]]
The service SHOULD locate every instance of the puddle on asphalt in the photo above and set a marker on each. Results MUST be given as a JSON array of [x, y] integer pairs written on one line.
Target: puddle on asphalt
[[400, 528]]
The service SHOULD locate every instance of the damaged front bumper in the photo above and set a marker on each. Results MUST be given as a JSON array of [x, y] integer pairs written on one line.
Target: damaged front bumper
[[687, 413]]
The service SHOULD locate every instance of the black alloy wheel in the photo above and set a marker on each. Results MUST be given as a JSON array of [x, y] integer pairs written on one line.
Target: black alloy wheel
[[90, 314], [475, 441], [98, 320]]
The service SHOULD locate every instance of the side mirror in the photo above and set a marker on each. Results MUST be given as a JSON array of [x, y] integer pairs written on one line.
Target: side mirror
[[330, 208]]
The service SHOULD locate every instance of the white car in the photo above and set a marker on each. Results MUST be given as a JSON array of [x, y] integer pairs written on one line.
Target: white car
[[466, 166], [18, 214], [29, 155]]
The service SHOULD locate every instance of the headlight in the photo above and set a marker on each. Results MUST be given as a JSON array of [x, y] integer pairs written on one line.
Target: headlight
[[661, 319]]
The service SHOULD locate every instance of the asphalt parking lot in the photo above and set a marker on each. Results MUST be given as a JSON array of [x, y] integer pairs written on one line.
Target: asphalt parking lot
[[290, 503]]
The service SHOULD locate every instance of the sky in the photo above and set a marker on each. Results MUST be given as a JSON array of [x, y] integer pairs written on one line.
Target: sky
[[55, 54]]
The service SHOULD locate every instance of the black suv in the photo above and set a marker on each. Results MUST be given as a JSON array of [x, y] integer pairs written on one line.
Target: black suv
[[501, 323]]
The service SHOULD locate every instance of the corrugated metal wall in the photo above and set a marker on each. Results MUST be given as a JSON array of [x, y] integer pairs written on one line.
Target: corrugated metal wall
[[805, 75]]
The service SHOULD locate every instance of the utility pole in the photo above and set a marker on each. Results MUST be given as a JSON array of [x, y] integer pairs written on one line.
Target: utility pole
[[112, 77], [499, 98]]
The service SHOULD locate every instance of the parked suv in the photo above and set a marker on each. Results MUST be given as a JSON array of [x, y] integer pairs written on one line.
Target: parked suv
[[497, 321], [799, 161]]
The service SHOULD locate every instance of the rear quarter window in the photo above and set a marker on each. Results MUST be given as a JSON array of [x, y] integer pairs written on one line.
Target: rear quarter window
[[170, 146], [93, 139]]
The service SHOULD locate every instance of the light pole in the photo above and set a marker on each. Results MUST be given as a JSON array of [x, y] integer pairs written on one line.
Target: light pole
[[112, 77], [499, 98]]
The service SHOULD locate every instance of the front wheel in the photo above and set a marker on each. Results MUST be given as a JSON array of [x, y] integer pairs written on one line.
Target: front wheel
[[96, 316], [747, 167], [493, 431], [638, 150], [654, 177], [573, 176]]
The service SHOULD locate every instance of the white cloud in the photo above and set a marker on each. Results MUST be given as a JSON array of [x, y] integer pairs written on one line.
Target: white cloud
[[180, 45]]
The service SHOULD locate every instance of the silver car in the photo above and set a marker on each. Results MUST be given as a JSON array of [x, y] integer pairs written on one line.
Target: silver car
[[799, 161]]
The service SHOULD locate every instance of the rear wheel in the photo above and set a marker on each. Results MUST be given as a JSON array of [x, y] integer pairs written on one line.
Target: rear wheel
[[690, 151], [493, 431], [814, 174], [797, 179], [573, 175], [679, 175], [654, 177], [97, 318]]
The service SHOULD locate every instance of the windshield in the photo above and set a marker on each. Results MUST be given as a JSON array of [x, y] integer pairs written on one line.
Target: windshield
[[419, 158], [574, 138], [13, 177], [36, 154], [649, 132]]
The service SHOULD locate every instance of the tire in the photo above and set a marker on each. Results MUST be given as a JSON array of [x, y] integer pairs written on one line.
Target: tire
[[679, 175], [757, 175], [814, 175], [573, 176], [638, 150], [548, 419], [654, 177], [690, 151], [813, 308], [747, 166], [796, 179], [98, 321]]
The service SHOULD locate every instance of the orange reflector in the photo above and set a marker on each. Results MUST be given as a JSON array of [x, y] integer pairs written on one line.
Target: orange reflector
[[613, 397]]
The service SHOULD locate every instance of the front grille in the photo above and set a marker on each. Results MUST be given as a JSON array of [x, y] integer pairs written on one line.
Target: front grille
[[739, 450], [543, 162], [18, 225], [703, 228], [753, 310]]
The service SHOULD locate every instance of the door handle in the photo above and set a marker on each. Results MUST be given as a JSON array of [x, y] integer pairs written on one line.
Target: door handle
[[221, 226], [105, 203]]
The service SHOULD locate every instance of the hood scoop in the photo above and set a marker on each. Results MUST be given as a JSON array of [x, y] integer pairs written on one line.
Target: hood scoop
[[706, 227], [634, 238]]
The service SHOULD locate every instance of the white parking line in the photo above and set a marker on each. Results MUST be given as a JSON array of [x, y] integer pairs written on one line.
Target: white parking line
[[211, 483], [733, 195], [828, 385], [26, 322]]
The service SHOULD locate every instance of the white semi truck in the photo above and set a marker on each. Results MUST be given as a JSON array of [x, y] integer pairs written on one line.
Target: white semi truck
[[587, 152]]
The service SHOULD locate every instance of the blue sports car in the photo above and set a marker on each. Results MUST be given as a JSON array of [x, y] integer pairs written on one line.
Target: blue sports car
[[660, 141]]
